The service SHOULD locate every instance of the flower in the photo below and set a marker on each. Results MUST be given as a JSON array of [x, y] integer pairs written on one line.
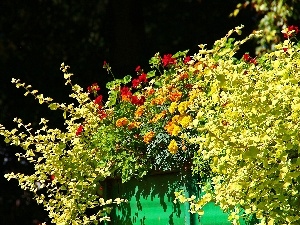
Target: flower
[[172, 128], [148, 137], [93, 88], [139, 111], [79, 130], [122, 122], [138, 69], [158, 116], [98, 100], [126, 94], [102, 114], [183, 76], [158, 101], [150, 91], [143, 77], [182, 107], [135, 83], [172, 107], [187, 59], [133, 125], [138, 100], [290, 31], [168, 60], [185, 121], [175, 96], [246, 57], [173, 148]]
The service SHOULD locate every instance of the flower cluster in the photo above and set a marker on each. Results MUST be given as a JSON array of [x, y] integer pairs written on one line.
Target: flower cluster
[[290, 31]]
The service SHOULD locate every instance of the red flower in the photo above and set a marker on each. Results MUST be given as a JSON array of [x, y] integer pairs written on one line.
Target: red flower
[[143, 77], [79, 130], [98, 100], [126, 93], [168, 60], [253, 61], [285, 49], [187, 59], [93, 88], [102, 114], [135, 83], [51, 177], [138, 69], [246, 57], [291, 31], [138, 100]]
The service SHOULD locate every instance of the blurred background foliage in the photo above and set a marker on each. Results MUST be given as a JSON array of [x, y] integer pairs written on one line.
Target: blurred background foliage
[[36, 36]]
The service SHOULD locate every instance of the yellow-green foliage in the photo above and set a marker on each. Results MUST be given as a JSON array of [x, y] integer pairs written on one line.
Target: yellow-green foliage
[[235, 120], [274, 16]]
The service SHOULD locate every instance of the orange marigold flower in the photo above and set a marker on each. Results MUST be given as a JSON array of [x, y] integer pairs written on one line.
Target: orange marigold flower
[[122, 122], [148, 137], [150, 92], [133, 125], [158, 101], [158, 116], [139, 111], [172, 128], [175, 96], [183, 76]]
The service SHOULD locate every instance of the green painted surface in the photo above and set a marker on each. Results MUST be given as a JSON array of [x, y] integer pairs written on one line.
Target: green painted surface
[[150, 202]]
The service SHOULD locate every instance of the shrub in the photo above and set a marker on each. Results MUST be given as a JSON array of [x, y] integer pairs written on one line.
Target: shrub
[[235, 120]]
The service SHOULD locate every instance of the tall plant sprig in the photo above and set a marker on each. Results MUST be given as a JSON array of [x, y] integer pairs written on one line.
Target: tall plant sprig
[[68, 172]]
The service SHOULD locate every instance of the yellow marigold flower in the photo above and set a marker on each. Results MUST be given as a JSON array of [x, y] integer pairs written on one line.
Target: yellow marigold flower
[[176, 118], [183, 106], [173, 148], [122, 122], [173, 107], [158, 101], [175, 96], [176, 130], [185, 121], [148, 137], [139, 111], [133, 125]]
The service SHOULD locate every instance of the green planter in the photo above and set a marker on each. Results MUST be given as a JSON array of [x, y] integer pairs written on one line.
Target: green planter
[[150, 202]]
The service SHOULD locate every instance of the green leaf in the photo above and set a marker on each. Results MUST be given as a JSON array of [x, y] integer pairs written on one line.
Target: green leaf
[[126, 79], [53, 106], [251, 152], [180, 53], [151, 74]]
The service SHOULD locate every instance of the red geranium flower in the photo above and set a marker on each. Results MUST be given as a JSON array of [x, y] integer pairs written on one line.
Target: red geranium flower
[[138, 69], [79, 130], [246, 57], [126, 93], [98, 100], [137, 100], [168, 60], [143, 77], [93, 88], [291, 31], [187, 59], [135, 83], [102, 114]]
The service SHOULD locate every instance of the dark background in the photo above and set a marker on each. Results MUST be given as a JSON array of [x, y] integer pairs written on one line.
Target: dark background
[[36, 36]]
